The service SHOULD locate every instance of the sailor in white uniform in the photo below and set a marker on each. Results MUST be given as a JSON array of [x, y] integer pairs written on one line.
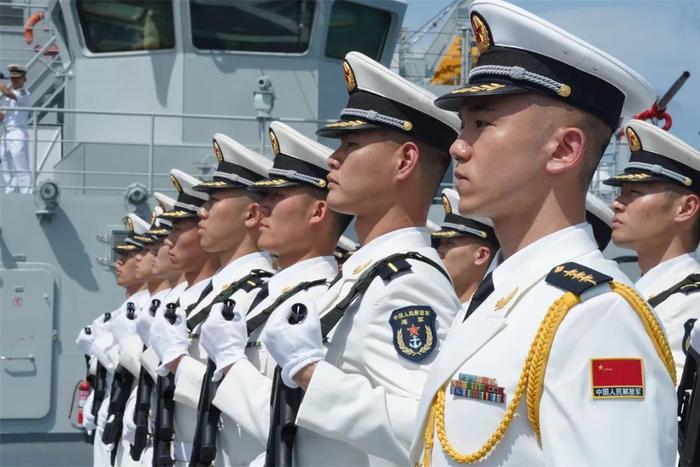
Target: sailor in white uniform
[[228, 228], [560, 361], [466, 244], [657, 214], [394, 302], [169, 340], [298, 227], [14, 140]]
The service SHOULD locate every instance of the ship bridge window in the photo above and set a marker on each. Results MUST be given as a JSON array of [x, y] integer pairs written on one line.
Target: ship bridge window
[[126, 25], [359, 27], [282, 26]]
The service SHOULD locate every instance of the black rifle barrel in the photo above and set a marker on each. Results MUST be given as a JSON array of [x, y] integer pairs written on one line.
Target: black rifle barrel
[[144, 391], [285, 403]]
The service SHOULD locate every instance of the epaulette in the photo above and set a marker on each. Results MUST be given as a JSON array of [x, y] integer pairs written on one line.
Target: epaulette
[[387, 269], [256, 280], [693, 286], [575, 278]]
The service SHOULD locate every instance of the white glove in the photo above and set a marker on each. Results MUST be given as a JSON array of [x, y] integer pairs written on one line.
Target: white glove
[[128, 426], [102, 416], [695, 336], [84, 340], [123, 327], [143, 323], [169, 341], [88, 418], [107, 352], [224, 341], [99, 325], [293, 346]]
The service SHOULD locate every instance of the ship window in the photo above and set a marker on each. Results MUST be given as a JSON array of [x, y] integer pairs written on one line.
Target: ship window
[[126, 25], [11, 15], [354, 26], [282, 26]]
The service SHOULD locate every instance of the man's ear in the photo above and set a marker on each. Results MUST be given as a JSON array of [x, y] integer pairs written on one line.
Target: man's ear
[[565, 150], [687, 207], [408, 155], [253, 215], [482, 255], [319, 211]]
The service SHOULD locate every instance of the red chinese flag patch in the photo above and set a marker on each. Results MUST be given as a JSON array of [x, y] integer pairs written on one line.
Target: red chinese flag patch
[[617, 378]]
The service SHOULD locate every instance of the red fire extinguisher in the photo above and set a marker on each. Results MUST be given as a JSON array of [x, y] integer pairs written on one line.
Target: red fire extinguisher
[[83, 393]]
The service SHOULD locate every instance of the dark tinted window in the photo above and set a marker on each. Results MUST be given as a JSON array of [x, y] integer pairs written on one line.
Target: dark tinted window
[[252, 25], [356, 27], [126, 25], [10, 15]]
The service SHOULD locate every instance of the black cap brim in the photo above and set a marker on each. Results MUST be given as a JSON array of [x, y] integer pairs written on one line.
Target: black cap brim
[[453, 100], [337, 128], [635, 177], [178, 214]]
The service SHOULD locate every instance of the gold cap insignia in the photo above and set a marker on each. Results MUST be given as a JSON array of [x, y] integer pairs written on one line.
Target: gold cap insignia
[[176, 184], [482, 35], [129, 224], [322, 183], [275, 144], [217, 152], [633, 139], [446, 205], [350, 81]]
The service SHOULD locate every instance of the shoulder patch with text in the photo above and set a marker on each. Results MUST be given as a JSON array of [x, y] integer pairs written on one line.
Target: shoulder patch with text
[[414, 332], [617, 378]]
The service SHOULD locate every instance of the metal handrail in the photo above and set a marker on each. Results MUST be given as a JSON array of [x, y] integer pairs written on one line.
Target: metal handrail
[[150, 143]]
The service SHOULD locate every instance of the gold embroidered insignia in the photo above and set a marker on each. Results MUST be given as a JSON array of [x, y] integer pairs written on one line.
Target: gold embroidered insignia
[[580, 276], [275, 144], [217, 152], [502, 302], [176, 184], [176, 214], [349, 75], [275, 182], [446, 205], [445, 233], [479, 88], [481, 33], [346, 123], [633, 139], [632, 177], [361, 267]]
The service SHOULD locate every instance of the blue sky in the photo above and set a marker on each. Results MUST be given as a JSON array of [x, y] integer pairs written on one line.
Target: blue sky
[[659, 39]]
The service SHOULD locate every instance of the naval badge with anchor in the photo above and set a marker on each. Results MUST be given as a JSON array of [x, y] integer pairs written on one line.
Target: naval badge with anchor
[[414, 331]]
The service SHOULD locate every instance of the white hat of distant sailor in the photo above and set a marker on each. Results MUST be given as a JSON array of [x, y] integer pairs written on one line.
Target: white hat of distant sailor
[[188, 199], [17, 71], [134, 240], [379, 98], [658, 156], [344, 249], [432, 226], [458, 225], [520, 52], [160, 227], [299, 160], [239, 167], [600, 215]]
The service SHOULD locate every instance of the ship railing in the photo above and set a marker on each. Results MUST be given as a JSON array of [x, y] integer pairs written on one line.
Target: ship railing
[[46, 146]]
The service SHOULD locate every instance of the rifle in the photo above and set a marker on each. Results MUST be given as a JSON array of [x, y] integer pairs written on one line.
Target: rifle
[[165, 409], [121, 388], [689, 404], [204, 444], [284, 403], [143, 407]]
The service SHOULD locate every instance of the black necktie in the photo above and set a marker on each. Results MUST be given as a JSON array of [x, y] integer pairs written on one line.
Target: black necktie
[[262, 295], [209, 287], [482, 292]]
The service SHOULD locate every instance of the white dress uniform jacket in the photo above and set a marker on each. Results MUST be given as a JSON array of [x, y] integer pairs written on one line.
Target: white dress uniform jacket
[[244, 393], [576, 429], [360, 406], [235, 447], [680, 306]]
